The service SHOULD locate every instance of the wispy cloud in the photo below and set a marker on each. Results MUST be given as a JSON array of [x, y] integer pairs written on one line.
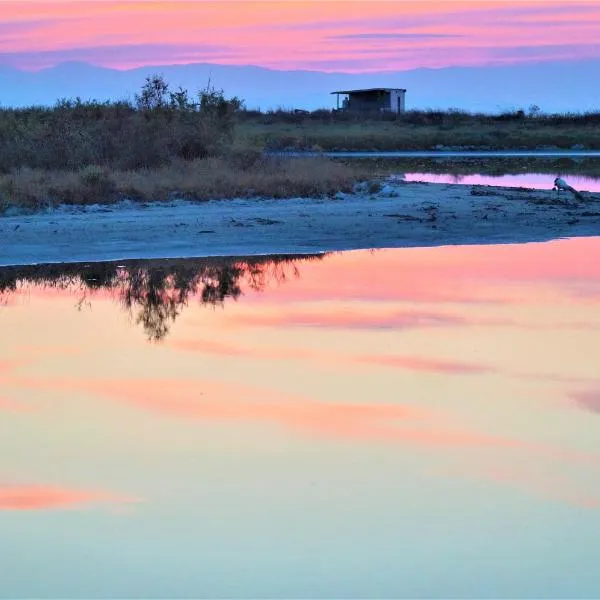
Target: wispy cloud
[[394, 36], [127, 55], [298, 35]]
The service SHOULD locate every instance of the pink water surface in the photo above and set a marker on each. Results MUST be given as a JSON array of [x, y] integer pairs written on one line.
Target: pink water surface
[[541, 181], [418, 422]]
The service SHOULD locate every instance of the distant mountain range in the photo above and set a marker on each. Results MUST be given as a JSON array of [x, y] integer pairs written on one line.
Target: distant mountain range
[[553, 86]]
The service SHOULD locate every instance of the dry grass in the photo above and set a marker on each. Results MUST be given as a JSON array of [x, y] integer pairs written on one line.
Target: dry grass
[[200, 179], [168, 146]]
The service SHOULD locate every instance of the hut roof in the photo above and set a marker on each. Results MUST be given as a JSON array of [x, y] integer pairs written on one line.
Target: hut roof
[[369, 90]]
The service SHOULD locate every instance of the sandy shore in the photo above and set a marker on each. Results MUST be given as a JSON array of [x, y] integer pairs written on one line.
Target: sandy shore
[[401, 214]]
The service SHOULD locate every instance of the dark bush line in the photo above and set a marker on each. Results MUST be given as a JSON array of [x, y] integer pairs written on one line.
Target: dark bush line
[[161, 126], [422, 117]]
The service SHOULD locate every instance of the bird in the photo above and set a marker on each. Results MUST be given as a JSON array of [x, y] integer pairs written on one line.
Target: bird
[[560, 185]]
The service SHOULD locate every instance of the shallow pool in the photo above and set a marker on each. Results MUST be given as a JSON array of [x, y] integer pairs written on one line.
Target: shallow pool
[[395, 423], [542, 181]]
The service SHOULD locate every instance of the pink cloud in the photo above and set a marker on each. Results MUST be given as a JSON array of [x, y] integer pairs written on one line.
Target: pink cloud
[[295, 34], [39, 497]]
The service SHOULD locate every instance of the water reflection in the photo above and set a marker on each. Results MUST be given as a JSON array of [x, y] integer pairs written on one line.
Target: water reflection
[[389, 424], [155, 292], [518, 171], [541, 181]]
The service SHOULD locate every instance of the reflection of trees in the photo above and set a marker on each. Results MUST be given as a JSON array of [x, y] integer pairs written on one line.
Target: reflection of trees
[[154, 292]]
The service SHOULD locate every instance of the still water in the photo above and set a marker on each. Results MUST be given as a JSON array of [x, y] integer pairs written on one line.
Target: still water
[[396, 423], [540, 181]]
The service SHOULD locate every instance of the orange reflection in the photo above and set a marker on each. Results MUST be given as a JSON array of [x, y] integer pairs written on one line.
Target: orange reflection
[[456, 274], [411, 363], [416, 363], [212, 400], [12, 406], [36, 497]]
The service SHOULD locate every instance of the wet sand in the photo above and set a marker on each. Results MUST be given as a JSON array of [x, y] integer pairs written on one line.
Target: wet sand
[[399, 215]]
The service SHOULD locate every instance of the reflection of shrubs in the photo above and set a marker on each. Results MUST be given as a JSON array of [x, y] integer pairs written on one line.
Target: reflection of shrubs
[[154, 292]]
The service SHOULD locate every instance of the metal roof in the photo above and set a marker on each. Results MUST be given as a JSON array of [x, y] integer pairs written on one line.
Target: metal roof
[[370, 90]]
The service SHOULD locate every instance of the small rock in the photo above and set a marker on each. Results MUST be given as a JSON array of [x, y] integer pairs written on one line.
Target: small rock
[[388, 191]]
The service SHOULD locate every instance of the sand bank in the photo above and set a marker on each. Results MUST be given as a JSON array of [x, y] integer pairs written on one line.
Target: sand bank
[[399, 215]]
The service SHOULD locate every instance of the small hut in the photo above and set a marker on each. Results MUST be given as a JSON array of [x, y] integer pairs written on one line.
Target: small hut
[[372, 100]]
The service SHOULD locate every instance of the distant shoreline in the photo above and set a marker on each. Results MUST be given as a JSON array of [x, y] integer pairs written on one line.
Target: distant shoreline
[[450, 153], [398, 214]]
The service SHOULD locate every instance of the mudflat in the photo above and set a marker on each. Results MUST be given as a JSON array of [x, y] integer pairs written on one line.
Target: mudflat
[[399, 214]]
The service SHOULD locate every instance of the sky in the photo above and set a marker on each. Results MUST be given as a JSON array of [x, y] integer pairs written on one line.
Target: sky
[[324, 35]]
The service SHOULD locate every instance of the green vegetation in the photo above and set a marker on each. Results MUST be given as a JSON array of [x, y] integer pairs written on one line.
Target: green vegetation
[[169, 143], [165, 144], [420, 130]]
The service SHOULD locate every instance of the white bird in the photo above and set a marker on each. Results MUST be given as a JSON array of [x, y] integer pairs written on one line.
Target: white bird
[[561, 185]]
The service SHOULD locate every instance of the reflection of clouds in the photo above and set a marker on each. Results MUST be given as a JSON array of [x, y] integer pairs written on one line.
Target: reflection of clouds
[[418, 363], [218, 348], [7, 368], [408, 362], [11, 405], [9, 365], [212, 400], [458, 274], [368, 422], [589, 400], [350, 319], [537, 481], [38, 497]]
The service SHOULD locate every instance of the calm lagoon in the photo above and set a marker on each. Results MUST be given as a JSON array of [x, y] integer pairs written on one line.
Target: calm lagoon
[[399, 423]]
